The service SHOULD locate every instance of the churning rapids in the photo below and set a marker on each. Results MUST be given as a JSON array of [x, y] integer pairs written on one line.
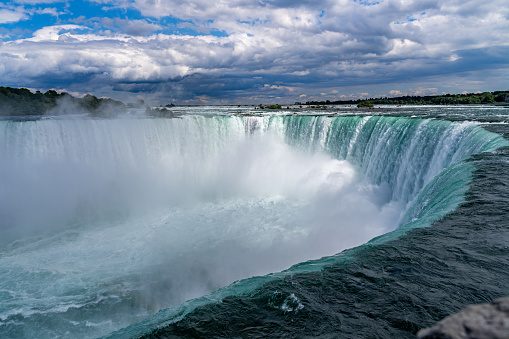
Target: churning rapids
[[125, 226]]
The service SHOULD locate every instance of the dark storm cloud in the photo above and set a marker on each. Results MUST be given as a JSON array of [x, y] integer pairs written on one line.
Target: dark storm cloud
[[250, 49]]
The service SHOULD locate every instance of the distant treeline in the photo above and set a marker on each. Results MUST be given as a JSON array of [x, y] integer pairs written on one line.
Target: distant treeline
[[21, 101], [448, 99]]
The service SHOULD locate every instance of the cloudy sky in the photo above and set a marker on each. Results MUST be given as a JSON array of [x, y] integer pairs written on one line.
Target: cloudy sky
[[254, 51]]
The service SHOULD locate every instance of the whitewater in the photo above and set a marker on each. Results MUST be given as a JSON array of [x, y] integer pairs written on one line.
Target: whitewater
[[120, 227]]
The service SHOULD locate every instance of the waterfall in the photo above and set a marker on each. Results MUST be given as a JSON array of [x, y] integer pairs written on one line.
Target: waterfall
[[105, 222]]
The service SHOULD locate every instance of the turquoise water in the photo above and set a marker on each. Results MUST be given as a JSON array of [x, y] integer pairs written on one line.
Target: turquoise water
[[147, 221]]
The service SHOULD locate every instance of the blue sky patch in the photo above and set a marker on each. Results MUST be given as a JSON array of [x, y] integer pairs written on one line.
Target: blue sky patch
[[313, 50]]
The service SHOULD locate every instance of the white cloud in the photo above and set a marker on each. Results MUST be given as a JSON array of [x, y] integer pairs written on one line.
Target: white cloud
[[48, 10], [54, 32], [9, 16], [425, 91], [316, 44]]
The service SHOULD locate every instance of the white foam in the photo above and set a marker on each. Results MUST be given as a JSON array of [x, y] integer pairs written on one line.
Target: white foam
[[131, 216]]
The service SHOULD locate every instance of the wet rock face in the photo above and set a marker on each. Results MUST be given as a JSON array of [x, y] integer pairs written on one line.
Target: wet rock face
[[484, 321]]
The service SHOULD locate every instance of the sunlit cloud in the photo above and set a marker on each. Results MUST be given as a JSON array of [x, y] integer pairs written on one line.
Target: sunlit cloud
[[8, 15], [222, 50]]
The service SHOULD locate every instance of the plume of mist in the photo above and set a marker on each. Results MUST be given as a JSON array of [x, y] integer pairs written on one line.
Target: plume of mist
[[88, 105], [154, 212], [193, 221]]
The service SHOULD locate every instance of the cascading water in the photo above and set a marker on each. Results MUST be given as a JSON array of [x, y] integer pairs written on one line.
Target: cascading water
[[105, 222]]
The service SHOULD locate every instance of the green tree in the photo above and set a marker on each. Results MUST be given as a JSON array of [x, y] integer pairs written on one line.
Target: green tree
[[365, 104], [487, 98]]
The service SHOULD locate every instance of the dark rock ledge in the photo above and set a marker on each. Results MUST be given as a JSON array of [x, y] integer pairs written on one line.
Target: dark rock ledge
[[483, 321]]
